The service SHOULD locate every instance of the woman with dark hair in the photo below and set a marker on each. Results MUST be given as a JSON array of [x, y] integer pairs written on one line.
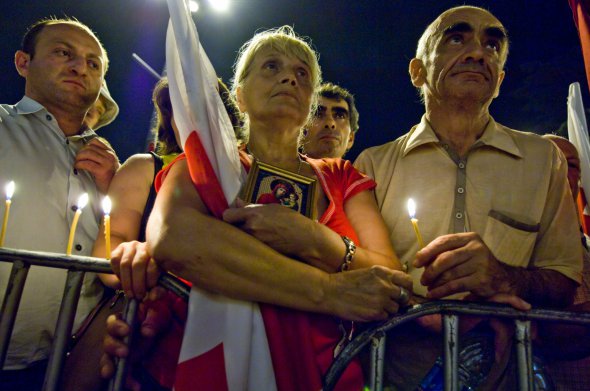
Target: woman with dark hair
[[132, 192]]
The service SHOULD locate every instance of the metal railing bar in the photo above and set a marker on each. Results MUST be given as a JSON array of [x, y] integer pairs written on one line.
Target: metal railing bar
[[80, 263], [456, 307], [450, 309], [63, 329], [129, 315], [14, 292], [174, 285], [451, 351], [76, 266], [61, 261], [524, 354], [377, 361]]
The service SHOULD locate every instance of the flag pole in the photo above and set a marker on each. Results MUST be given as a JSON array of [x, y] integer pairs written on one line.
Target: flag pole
[[146, 66]]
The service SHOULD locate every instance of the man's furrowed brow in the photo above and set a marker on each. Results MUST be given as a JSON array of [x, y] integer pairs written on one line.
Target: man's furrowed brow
[[320, 110], [339, 110], [497, 32], [461, 27], [63, 43]]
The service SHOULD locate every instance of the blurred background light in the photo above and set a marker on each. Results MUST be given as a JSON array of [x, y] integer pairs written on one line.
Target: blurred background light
[[193, 6], [219, 5]]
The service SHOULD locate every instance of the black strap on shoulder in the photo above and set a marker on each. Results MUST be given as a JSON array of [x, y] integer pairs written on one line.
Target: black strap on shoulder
[[149, 204]]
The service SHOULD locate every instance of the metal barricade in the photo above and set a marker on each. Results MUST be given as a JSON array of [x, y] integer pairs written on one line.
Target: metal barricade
[[76, 267], [450, 310]]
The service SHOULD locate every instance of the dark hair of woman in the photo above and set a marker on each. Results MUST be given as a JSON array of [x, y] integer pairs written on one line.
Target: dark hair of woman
[[165, 139]]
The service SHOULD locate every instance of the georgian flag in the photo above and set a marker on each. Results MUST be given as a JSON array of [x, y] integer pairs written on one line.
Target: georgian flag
[[225, 345], [576, 123], [578, 134]]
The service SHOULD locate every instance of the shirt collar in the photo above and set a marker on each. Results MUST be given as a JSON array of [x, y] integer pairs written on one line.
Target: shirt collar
[[494, 135], [28, 106], [419, 135]]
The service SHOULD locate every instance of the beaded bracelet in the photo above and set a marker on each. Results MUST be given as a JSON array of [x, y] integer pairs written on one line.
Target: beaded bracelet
[[349, 254]]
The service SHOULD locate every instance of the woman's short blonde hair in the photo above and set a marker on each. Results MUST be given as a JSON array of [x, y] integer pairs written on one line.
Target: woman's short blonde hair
[[284, 40]]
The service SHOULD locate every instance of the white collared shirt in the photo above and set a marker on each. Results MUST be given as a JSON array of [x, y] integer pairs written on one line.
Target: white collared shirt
[[39, 158]]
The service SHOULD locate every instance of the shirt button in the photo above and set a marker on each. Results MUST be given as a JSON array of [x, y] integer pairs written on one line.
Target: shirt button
[[460, 190], [48, 117], [459, 215], [67, 141], [78, 247], [461, 165], [74, 208], [75, 171]]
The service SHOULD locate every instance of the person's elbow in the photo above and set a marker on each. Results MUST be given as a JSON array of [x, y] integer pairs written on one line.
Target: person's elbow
[[568, 294], [160, 241]]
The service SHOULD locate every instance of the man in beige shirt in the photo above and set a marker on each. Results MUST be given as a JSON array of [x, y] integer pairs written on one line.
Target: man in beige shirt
[[493, 204]]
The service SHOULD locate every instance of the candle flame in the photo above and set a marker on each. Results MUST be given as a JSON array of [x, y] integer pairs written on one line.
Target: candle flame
[[411, 208], [106, 205], [82, 201], [9, 189]]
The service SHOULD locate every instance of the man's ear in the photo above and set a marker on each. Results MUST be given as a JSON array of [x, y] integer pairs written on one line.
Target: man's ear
[[500, 80], [240, 100], [350, 141], [21, 62], [417, 72]]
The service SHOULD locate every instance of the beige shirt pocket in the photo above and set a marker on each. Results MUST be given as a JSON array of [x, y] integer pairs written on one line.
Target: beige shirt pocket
[[511, 241]]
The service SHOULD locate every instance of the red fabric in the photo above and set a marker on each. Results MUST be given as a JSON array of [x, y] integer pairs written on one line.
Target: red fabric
[[162, 365], [209, 368], [581, 13], [163, 359], [202, 175], [267, 198], [301, 343], [584, 218], [340, 181]]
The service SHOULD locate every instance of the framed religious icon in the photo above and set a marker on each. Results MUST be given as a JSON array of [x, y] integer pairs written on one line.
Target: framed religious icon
[[268, 184]]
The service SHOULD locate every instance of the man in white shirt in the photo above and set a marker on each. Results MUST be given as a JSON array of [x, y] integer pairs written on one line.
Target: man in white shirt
[[53, 158]]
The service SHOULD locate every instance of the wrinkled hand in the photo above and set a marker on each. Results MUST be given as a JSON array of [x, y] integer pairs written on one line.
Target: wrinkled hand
[[136, 269], [154, 317], [366, 294], [280, 228], [100, 160], [458, 263]]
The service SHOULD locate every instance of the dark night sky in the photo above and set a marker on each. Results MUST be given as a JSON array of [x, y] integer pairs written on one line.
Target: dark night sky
[[364, 45]]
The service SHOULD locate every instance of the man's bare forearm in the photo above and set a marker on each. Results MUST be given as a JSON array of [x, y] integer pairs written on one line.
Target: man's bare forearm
[[540, 287]]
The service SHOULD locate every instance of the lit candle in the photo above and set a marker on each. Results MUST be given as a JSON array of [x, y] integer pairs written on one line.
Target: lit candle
[[106, 208], [414, 220], [82, 201], [9, 189]]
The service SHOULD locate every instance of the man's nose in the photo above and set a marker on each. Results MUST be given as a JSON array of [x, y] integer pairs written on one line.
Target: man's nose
[[475, 52], [78, 65], [329, 122]]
